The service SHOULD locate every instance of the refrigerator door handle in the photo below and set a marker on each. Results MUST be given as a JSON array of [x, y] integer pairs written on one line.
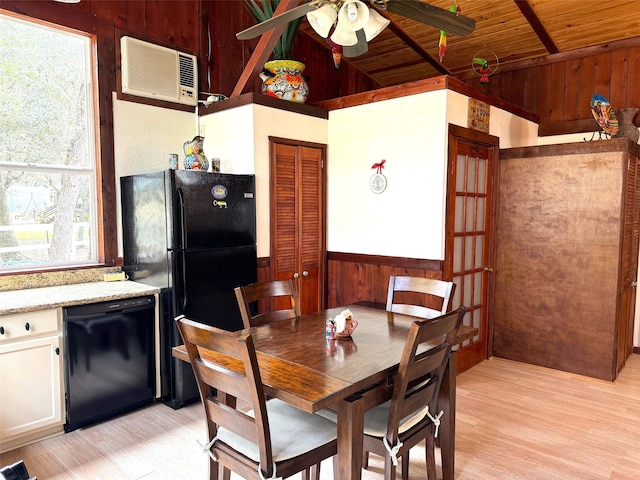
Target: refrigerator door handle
[[183, 283], [183, 244], [182, 224]]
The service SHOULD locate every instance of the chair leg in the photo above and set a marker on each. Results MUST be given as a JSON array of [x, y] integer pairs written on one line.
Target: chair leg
[[430, 454], [313, 473], [214, 468], [389, 469], [405, 466], [226, 473]]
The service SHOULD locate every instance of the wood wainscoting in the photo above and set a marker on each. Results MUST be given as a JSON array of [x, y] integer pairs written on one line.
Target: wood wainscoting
[[353, 277]]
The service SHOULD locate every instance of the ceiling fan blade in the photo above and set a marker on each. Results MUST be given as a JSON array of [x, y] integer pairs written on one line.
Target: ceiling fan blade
[[273, 22], [359, 48], [437, 17]]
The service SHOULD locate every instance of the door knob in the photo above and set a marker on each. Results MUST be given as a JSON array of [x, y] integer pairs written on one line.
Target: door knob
[[296, 275], [634, 284], [488, 269], [305, 273]]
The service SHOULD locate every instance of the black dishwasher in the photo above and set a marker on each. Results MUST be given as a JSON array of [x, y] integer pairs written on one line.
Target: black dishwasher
[[109, 359]]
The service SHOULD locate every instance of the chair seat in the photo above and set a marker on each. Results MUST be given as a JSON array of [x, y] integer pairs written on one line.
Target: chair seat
[[293, 432], [375, 420]]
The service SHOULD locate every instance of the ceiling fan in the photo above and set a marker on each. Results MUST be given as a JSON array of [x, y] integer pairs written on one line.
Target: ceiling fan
[[351, 23]]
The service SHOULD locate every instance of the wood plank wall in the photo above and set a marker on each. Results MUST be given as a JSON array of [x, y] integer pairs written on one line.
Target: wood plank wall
[[353, 277], [559, 91], [365, 278]]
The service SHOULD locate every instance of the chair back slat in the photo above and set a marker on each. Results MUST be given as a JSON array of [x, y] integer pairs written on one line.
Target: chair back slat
[[419, 297], [282, 295], [421, 368], [227, 363]]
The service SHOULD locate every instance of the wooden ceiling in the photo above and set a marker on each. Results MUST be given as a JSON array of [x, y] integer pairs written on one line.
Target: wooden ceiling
[[509, 33]]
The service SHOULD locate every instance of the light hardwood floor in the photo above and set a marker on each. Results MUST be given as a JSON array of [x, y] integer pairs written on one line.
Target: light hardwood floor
[[514, 421]]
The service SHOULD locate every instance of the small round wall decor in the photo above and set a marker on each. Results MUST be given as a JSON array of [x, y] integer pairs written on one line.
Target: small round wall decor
[[378, 182]]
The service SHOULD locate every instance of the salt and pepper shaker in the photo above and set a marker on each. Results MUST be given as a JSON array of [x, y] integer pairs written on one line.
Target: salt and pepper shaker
[[331, 329]]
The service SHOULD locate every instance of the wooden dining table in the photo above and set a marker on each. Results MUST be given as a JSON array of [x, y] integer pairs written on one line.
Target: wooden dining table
[[300, 366]]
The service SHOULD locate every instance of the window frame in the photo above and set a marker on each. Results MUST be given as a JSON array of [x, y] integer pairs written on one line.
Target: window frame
[[101, 36]]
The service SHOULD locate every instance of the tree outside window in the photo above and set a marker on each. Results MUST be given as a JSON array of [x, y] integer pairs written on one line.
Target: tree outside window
[[48, 206]]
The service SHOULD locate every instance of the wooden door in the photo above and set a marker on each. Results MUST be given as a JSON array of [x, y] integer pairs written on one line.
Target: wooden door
[[469, 234], [298, 218], [628, 263]]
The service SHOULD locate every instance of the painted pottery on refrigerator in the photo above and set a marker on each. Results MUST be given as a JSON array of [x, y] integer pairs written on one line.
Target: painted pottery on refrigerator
[[195, 158]]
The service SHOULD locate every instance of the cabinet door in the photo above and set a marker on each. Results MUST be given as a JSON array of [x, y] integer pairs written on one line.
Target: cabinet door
[[298, 218], [628, 263], [31, 395]]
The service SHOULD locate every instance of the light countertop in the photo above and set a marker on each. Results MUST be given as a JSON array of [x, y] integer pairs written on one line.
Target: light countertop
[[31, 299]]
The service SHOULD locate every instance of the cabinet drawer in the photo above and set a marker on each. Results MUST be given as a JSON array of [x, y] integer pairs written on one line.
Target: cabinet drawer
[[29, 324]]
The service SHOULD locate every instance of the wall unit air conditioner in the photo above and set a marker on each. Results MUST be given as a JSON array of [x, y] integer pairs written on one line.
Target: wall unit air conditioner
[[153, 71]]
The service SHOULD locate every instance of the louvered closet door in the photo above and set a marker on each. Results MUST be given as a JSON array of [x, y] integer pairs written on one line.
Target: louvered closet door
[[629, 263], [298, 218]]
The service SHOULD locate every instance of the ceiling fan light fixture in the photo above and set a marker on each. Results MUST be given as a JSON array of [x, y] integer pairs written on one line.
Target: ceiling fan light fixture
[[376, 24], [353, 15], [344, 36], [322, 19]]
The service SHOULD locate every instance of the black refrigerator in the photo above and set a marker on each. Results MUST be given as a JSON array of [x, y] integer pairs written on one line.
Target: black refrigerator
[[193, 235]]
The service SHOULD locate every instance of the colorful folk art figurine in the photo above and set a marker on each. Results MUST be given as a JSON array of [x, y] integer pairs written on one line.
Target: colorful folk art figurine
[[605, 115], [442, 44], [195, 158]]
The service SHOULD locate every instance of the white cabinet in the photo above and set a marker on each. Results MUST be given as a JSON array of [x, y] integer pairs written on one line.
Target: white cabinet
[[31, 393]]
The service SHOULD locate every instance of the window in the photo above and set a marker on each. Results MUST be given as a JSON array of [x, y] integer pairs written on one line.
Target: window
[[48, 199]]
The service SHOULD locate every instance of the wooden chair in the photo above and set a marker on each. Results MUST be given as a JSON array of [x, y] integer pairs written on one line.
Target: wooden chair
[[277, 291], [273, 439], [393, 428], [437, 293]]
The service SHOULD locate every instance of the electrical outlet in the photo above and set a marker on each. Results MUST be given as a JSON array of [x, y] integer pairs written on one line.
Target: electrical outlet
[[115, 277]]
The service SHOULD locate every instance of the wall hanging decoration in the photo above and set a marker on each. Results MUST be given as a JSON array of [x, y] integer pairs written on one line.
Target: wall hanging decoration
[[378, 181], [479, 115], [485, 63], [605, 117]]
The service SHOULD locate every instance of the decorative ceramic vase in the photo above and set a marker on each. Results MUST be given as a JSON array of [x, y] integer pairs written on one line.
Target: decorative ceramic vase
[[626, 127], [283, 79], [195, 159]]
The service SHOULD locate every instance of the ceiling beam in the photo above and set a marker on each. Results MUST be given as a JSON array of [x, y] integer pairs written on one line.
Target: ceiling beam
[[538, 28], [263, 49], [416, 47]]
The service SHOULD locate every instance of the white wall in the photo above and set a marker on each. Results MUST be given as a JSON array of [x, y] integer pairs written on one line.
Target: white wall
[[240, 138], [513, 131], [143, 137], [410, 133]]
